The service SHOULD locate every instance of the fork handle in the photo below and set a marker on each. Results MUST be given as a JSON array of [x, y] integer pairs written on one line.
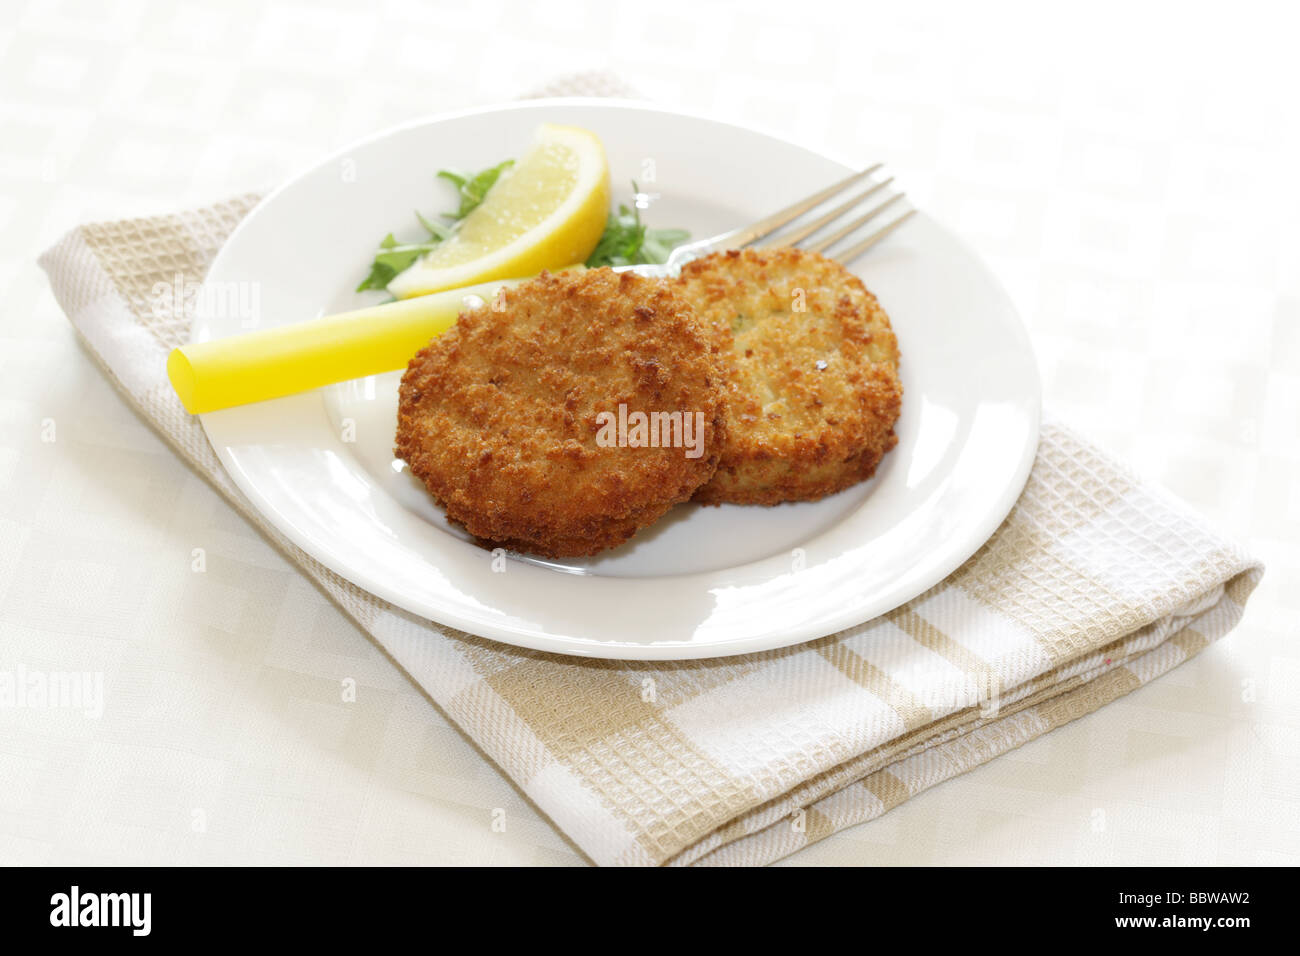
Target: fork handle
[[272, 363]]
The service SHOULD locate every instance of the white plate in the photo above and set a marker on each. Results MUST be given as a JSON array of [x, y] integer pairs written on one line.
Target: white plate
[[704, 581]]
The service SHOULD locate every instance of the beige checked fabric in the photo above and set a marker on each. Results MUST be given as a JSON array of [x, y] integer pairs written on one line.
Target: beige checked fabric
[[1093, 586]]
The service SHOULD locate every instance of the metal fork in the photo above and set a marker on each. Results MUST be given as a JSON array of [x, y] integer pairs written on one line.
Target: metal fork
[[802, 235]]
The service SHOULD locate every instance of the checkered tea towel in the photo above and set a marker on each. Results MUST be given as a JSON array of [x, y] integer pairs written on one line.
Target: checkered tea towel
[[1093, 586]]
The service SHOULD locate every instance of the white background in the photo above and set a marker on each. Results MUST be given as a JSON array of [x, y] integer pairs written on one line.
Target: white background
[[1130, 172]]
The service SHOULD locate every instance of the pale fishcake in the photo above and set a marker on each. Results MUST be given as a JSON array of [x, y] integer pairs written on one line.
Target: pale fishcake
[[813, 390]]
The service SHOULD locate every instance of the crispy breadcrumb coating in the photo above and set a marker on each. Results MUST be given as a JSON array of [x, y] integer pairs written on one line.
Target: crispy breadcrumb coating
[[813, 390], [500, 416]]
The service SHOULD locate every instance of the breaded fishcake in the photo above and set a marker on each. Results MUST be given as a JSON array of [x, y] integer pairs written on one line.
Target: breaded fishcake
[[501, 417], [813, 390]]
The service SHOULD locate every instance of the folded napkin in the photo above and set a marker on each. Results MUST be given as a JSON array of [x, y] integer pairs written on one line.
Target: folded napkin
[[1093, 586]]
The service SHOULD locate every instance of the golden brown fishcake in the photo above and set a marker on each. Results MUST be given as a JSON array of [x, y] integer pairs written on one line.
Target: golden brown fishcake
[[501, 416], [813, 389]]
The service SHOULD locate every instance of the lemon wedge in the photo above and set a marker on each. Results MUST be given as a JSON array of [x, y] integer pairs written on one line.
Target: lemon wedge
[[548, 211]]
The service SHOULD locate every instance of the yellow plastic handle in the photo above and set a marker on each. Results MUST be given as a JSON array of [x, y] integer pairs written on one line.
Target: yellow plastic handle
[[272, 363]]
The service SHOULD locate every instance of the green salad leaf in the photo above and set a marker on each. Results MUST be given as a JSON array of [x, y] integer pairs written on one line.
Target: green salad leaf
[[394, 257], [627, 241], [474, 188]]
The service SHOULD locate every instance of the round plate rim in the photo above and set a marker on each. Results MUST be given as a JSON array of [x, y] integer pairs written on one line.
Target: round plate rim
[[614, 649]]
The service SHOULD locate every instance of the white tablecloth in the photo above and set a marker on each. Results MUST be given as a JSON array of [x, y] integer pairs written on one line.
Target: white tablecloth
[[1134, 188]]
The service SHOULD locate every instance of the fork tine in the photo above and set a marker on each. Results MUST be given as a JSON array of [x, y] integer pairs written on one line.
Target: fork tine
[[855, 251], [838, 234], [803, 232], [769, 225]]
